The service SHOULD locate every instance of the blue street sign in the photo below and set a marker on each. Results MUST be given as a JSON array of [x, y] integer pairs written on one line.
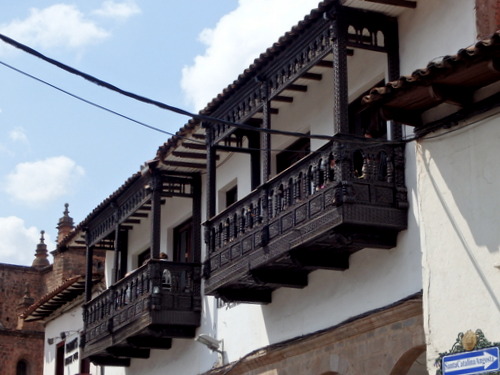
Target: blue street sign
[[479, 361]]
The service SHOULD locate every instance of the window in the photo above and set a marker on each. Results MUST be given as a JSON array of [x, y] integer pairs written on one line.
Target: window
[[183, 248], [292, 154], [227, 195], [60, 358], [22, 367], [143, 257], [364, 122], [231, 196]]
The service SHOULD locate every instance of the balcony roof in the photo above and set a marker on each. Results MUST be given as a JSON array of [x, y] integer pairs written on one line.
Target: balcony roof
[[185, 151], [458, 81], [52, 301], [387, 7]]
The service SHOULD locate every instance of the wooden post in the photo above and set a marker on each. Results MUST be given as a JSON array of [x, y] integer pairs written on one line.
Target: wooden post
[[116, 262], [265, 136], [88, 271], [156, 186], [392, 42], [340, 92], [196, 232], [211, 171], [254, 145]]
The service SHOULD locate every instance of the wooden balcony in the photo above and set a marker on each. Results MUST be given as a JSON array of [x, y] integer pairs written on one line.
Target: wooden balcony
[[347, 196], [143, 311]]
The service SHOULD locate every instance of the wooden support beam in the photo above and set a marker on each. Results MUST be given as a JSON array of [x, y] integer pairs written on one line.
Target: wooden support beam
[[298, 88], [183, 164], [128, 351], [272, 111], [234, 149], [325, 64], [109, 361], [198, 136], [460, 96], [290, 278], [398, 3], [132, 221], [150, 342], [189, 155], [194, 146], [260, 296], [139, 214], [312, 76], [330, 259], [413, 118], [283, 99], [255, 121]]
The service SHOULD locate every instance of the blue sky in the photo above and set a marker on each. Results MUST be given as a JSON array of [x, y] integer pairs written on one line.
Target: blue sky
[[55, 149]]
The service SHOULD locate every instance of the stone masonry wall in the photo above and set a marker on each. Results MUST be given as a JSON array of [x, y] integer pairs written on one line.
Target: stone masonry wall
[[384, 342], [16, 346], [14, 282]]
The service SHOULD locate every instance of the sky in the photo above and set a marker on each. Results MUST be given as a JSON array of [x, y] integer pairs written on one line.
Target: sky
[[57, 149]]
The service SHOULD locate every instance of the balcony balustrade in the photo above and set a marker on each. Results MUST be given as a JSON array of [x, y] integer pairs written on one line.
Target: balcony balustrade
[[347, 196], [144, 310]]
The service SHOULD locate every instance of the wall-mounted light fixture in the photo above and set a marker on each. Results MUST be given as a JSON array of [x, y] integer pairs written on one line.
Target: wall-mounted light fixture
[[214, 345], [210, 342]]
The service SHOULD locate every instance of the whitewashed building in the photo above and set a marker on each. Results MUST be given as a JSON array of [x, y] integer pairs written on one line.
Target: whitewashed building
[[296, 227]]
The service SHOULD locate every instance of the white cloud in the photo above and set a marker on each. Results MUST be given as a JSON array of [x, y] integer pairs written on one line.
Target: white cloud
[[4, 150], [60, 25], [18, 243], [237, 39], [18, 135], [112, 9], [43, 181]]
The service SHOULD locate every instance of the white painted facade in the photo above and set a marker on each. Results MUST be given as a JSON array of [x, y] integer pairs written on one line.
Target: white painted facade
[[62, 331], [459, 232], [450, 250]]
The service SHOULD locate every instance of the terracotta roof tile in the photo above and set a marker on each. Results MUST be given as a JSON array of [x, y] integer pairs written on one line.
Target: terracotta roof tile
[[482, 51]]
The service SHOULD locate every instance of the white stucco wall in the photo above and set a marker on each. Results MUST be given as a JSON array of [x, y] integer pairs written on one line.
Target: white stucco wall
[[173, 213], [458, 181], [435, 28], [376, 278], [70, 322]]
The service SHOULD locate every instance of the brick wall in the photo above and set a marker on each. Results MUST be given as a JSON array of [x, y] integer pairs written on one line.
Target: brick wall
[[16, 346], [13, 283], [21, 286], [69, 263]]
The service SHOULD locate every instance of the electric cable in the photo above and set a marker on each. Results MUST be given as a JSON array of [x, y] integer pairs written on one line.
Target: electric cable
[[198, 117], [345, 139], [146, 100], [95, 104]]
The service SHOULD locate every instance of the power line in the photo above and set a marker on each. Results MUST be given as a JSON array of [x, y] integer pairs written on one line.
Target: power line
[[93, 103], [146, 100], [177, 110], [344, 139]]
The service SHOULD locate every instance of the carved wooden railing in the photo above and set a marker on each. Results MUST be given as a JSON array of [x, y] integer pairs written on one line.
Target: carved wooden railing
[[340, 173], [118, 211], [155, 287], [314, 42]]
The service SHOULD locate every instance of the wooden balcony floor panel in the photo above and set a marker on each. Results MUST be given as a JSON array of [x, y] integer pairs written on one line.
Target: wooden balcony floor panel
[[324, 242], [138, 335], [109, 360], [245, 294]]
